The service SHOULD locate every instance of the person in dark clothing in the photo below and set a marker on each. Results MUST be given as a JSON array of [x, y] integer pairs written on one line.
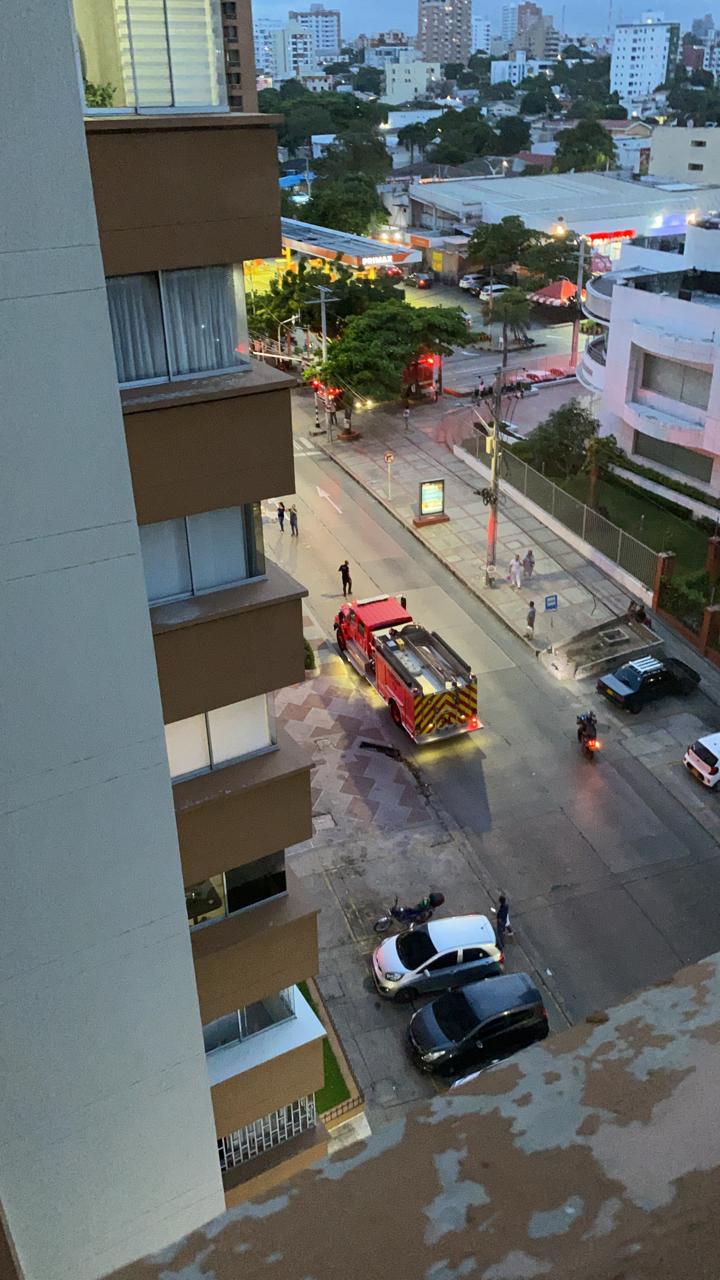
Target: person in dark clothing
[[293, 522], [281, 516], [344, 571], [347, 412], [502, 921], [333, 413]]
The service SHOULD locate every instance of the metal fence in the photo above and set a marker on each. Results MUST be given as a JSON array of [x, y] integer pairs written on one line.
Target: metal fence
[[627, 552]]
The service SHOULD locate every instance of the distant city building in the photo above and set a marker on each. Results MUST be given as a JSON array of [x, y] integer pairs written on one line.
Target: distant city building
[[481, 34], [239, 57], [293, 52], [515, 69], [509, 22], [527, 14], [445, 30], [407, 80], [538, 39], [324, 26], [263, 30], [644, 56], [380, 55], [711, 60], [703, 27]]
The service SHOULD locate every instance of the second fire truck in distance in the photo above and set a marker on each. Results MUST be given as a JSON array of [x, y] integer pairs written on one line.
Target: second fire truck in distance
[[429, 690]]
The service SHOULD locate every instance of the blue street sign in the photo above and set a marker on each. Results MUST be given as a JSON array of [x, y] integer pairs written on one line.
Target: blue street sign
[[550, 603]]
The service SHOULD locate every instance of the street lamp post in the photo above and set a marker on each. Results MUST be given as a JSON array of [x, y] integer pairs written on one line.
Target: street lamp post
[[493, 446], [325, 297], [560, 230]]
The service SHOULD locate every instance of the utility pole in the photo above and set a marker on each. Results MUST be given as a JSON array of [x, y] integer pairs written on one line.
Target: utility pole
[[323, 300], [493, 447], [578, 304]]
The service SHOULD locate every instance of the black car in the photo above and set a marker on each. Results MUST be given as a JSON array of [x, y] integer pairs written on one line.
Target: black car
[[645, 679], [420, 279], [477, 1025]]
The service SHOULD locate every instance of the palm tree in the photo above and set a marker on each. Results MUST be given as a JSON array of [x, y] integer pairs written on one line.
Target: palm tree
[[412, 136], [601, 453], [512, 309]]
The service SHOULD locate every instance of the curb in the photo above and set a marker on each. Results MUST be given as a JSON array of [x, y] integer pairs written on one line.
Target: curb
[[441, 560]]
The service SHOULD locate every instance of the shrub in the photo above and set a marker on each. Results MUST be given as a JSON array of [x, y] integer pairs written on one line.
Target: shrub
[[678, 485], [309, 655], [683, 603]]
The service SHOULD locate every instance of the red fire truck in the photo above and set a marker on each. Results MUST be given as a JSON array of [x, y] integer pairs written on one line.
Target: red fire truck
[[430, 691]]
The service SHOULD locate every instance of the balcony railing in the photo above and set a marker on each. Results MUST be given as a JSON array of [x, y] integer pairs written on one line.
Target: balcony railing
[[165, 56]]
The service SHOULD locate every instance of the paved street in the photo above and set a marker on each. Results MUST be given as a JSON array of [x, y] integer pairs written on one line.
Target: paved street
[[613, 870]]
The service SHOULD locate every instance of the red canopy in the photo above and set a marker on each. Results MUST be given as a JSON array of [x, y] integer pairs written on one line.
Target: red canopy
[[558, 294]]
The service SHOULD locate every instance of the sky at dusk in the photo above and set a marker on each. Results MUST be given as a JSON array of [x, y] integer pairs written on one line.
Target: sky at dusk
[[580, 17]]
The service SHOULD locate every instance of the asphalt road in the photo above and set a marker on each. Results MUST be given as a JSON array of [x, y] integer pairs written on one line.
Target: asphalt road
[[611, 881]]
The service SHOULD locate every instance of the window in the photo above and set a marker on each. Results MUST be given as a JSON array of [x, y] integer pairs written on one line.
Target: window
[[158, 56], [234, 78], [178, 324], [229, 9], [250, 1021], [697, 168], [196, 554], [698, 143], [231, 891], [471, 955], [687, 383], [262, 1135], [231, 33], [443, 962], [233, 56], [214, 738], [673, 456]]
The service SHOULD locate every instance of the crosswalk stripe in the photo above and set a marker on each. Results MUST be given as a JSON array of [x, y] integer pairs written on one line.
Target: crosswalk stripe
[[302, 448]]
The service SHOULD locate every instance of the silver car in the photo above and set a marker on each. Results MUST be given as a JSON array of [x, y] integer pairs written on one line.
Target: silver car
[[435, 956]]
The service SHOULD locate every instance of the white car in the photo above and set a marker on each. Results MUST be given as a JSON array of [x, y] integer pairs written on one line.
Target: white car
[[702, 759], [436, 956], [471, 281], [493, 291]]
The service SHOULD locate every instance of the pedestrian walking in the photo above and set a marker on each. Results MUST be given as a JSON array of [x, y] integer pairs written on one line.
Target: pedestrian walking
[[531, 621], [333, 413], [406, 417], [293, 522], [502, 921], [344, 571], [281, 516], [476, 393], [515, 572], [529, 563]]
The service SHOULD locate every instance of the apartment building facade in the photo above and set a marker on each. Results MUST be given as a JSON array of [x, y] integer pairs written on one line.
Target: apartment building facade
[[445, 30], [410, 78], [481, 34], [160, 1061], [685, 155], [293, 52], [263, 31], [325, 28], [644, 55], [240, 75], [656, 368]]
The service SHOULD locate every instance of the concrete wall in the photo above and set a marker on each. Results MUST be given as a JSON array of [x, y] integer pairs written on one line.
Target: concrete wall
[[672, 150], [106, 1128]]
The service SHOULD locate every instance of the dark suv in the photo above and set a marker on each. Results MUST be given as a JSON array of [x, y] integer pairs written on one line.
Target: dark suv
[[477, 1025], [645, 679]]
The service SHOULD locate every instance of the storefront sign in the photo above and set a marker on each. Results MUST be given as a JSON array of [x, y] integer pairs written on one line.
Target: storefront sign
[[377, 260], [432, 498]]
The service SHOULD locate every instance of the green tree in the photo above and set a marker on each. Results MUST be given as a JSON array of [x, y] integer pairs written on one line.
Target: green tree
[[558, 445], [295, 292], [270, 102], [368, 80], [292, 90], [615, 112], [586, 147], [356, 152], [512, 310], [513, 134], [350, 203], [305, 119], [415, 135], [451, 70], [375, 348], [537, 101], [503, 91], [462, 135], [602, 452], [497, 245], [549, 258]]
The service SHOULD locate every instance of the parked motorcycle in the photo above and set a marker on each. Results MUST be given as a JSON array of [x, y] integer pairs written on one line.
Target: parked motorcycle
[[410, 916], [587, 734]]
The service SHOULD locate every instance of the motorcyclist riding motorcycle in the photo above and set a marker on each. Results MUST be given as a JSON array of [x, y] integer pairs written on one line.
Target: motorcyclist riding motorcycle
[[587, 733]]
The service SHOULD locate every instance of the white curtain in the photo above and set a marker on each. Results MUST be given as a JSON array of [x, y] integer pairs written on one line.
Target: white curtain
[[137, 328], [204, 324]]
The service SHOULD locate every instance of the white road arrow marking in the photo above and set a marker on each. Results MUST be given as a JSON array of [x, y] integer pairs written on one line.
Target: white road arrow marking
[[326, 496]]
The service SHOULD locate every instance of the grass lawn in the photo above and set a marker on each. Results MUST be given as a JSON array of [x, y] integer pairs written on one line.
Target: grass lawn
[[335, 1090], [659, 529]]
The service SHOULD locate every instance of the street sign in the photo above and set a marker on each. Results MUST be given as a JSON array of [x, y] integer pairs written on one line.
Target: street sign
[[389, 457], [551, 603], [432, 498]]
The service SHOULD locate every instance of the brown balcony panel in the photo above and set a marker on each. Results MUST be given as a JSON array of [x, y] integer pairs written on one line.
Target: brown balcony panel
[[255, 1177], [267, 1087], [255, 953], [209, 442], [184, 191], [233, 816], [228, 645]]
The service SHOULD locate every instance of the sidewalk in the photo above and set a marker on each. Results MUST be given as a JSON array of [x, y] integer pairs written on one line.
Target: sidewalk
[[586, 597]]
